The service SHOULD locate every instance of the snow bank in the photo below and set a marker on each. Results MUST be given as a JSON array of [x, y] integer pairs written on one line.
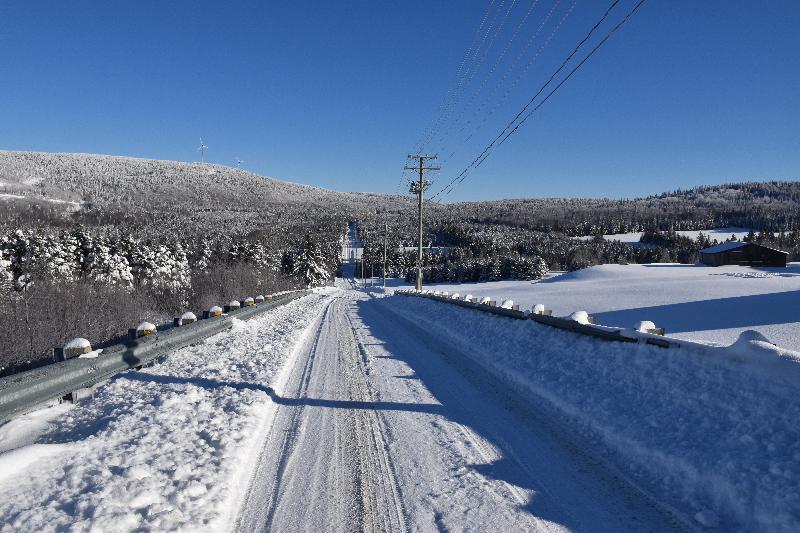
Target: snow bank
[[755, 351], [507, 304], [713, 437], [94, 354], [162, 449]]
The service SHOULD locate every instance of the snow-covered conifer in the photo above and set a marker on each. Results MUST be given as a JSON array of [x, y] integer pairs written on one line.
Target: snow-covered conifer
[[309, 264]]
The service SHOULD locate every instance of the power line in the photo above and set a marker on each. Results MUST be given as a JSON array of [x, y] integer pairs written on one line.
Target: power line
[[456, 82], [513, 125], [519, 76], [573, 71], [477, 60], [495, 32], [456, 86], [541, 89]]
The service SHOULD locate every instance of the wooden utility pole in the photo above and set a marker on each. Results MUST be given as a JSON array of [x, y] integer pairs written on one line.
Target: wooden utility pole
[[385, 238], [418, 188]]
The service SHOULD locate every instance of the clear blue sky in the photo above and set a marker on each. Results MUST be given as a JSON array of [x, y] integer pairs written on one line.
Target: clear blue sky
[[336, 93]]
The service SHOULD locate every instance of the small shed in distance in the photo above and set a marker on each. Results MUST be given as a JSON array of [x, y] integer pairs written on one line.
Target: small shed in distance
[[743, 253]]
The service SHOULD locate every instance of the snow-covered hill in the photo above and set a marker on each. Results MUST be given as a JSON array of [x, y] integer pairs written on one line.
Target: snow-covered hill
[[113, 179], [189, 191]]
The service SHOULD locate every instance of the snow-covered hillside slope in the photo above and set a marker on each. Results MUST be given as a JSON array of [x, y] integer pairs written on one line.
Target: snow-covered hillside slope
[[717, 442], [151, 185], [712, 304]]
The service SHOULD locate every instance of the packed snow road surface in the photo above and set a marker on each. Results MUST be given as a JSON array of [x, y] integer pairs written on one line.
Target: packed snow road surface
[[380, 427], [324, 460], [340, 411]]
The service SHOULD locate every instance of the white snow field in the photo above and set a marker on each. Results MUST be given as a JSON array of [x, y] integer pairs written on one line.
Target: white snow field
[[697, 302], [350, 410], [719, 234]]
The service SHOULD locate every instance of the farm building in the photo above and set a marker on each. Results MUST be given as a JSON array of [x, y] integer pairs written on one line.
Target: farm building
[[742, 253]]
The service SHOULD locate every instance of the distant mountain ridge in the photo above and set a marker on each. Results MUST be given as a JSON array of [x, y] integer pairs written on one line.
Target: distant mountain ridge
[[102, 185], [176, 195], [102, 179]]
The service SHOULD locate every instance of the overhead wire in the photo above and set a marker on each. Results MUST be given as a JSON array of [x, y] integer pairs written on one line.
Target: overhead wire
[[489, 73], [456, 80], [455, 86], [519, 76], [496, 29], [515, 123]]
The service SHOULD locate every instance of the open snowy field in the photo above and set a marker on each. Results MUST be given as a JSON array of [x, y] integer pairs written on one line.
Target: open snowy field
[[719, 234], [711, 304]]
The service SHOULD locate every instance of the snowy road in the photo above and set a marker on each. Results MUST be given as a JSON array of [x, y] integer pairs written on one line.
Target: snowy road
[[347, 410], [381, 427]]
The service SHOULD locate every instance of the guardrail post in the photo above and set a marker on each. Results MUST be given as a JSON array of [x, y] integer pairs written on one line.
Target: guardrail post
[[213, 312], [76, 347], [233, 305], [186, 318], [646, 326], [539, 309], [582, 317], [58, 354]]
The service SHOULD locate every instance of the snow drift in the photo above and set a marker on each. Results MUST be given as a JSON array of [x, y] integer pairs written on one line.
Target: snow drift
[[712, 432]]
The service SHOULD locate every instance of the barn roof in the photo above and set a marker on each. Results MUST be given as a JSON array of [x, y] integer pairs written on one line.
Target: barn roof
[[724, 247], [733, 245]]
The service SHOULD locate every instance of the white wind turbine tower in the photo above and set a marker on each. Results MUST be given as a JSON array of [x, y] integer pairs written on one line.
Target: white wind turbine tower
[[239, 162], [202, 149]]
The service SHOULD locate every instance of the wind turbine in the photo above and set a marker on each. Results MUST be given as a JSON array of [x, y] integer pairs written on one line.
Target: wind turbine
[[202, 149], [239, 162]]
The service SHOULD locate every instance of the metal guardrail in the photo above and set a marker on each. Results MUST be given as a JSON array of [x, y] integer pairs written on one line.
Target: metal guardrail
[[23, 391], [602, 332]]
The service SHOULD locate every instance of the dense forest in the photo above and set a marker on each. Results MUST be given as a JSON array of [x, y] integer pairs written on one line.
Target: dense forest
[[769, 206]]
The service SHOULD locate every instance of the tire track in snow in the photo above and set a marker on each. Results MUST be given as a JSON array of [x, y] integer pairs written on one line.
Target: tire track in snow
[[377, 449], [324, 462], [290, 433]]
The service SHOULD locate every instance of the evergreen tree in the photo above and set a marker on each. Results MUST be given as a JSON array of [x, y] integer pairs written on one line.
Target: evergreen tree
[[309, 264], [106, 265]]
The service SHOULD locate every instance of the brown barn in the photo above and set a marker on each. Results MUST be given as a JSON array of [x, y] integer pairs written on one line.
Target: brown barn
[[743, 253]]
